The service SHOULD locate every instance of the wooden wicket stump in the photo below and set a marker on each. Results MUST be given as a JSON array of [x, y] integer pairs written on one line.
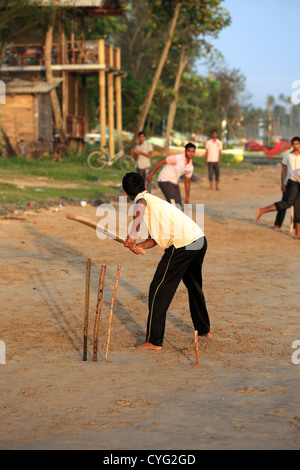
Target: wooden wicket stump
[[111, 311], [98, 312], [86, 312]]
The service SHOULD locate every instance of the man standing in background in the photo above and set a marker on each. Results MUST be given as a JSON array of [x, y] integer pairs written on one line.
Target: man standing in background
[[213, 158], [143, 154], [290, 162]]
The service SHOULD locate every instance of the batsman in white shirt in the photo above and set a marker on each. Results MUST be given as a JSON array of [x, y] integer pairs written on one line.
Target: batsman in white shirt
[[184, 245]]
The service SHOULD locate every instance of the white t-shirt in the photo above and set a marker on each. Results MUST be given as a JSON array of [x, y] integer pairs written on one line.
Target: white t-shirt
[[295, 175], [167, 224], [292, 162], [213, 148], [175, 168], [143, 162]]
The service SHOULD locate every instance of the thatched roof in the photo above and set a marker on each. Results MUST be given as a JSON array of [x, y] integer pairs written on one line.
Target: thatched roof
[[91, 7], [18, 86]]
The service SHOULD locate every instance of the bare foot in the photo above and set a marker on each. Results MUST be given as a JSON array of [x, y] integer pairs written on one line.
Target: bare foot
[[258, 213], [276, 227], [297, 237], [148, 346], [208, 335]]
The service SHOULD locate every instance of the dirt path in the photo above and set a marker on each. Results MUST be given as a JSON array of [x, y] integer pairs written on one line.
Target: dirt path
[[244, 395]]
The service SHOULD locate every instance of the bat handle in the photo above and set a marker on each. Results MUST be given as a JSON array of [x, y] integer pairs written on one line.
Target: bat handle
[[142, 252]]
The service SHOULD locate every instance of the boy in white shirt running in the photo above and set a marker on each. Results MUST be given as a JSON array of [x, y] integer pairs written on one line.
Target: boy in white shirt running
[[184, 246], [175, 167]]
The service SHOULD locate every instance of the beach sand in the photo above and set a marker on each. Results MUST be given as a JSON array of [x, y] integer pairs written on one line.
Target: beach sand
[[245, 392]]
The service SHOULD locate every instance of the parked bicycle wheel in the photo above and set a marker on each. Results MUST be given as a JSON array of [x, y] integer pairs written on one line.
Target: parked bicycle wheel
[[96, 160], [127, 163], [60, 151]]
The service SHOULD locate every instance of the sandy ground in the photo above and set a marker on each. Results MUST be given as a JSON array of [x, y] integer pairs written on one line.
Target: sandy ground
[[243, 395]]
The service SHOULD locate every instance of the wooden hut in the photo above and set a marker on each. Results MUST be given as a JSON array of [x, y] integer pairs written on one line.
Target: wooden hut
[[27, 114], [73, 60]]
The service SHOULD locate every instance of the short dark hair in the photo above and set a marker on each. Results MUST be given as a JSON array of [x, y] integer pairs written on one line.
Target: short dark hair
[[294, 139], [190, 145], [141, 133], [133, 183]]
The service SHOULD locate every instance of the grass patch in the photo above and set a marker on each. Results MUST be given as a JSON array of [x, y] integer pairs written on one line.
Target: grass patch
[[90, 184], [15, 194], [26, 175], [69, 170]]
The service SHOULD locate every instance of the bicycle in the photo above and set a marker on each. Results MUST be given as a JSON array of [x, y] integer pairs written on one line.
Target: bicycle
[[36, 149], [98, 160]]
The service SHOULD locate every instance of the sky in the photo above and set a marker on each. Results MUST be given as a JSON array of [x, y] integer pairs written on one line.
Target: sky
[[263, 42]]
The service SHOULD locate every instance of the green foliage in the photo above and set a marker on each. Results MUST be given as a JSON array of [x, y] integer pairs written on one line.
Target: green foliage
[[26, 17], [96, 28], [141, 36], [16, 12]]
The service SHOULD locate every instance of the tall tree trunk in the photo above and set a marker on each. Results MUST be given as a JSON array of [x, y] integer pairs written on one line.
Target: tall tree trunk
[[2, 52], [5, 145], [49, 76], [195, 117], [172, 109], [161, 63]]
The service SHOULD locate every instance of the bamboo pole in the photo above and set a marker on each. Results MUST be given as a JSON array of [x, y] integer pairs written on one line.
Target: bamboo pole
[[86, 313], [102, 94], [111, 311], [118, 85], [65, 97], [98, 311], [110, 106]]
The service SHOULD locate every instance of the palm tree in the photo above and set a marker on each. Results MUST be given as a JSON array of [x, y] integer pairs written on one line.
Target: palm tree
[[287, 100]]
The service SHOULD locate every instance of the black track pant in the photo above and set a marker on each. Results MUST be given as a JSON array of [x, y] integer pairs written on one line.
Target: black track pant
[[177, 264], [280, 216], [171, 191], [292, 198], [213, 169]]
